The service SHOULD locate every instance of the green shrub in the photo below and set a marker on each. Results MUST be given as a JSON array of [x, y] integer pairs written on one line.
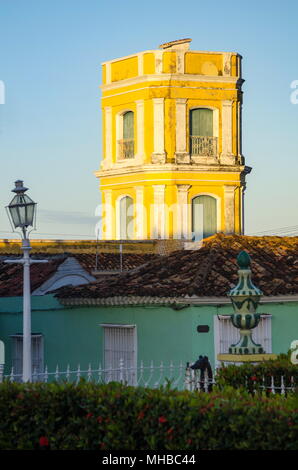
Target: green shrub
[[116, 417], [259, 376]]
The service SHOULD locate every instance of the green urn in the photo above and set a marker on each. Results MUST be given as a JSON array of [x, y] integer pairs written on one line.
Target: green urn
[[245, 297]]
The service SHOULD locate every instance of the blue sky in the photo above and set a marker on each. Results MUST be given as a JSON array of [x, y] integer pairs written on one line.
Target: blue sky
[[50, 124]]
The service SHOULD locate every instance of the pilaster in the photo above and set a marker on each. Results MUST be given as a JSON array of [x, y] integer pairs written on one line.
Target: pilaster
[[158, 226], [229, 201], [181, 154], [140, 131], [107, 162], [140, 214], [108, 215], [227, 156], [182, 221], [158, 155]]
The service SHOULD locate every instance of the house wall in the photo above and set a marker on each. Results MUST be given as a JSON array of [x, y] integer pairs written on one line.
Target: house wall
[[73, 334]]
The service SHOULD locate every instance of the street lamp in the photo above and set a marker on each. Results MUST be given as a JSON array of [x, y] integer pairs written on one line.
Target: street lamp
[[21, 212]]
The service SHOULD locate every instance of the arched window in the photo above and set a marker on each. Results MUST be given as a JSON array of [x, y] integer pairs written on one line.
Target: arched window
[[202, 140], [126, 218], [204, 217], [127, 141]]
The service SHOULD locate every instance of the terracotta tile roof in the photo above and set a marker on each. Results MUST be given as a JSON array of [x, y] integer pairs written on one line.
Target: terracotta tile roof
[[11, 275], [209, 271], [111, 261]]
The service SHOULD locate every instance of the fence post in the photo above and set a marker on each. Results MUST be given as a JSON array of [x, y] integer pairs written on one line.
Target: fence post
[[187, 378], [272, 385], [45, 375], [34, 375], [68, 373], [99, 374], [121, 374], [78, 373], [282, 386], [11, 377], [57, 373], [89, 374]]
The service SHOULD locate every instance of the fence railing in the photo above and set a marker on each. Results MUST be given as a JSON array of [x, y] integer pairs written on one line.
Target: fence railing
[[177, 376], [203, 146], [126, 148]]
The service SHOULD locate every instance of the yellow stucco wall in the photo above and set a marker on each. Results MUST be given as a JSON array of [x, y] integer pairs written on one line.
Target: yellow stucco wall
[[203, 79]]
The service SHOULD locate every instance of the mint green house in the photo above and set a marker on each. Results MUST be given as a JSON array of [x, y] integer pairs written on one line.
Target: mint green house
[[171, 309]]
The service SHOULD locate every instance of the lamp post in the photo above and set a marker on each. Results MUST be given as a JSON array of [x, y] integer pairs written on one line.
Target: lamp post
[[21, 212]]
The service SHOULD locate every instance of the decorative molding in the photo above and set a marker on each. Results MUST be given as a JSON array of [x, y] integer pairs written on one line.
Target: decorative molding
[[158, 158], [182, 158], [204, 160], [164, 301], [173, 167], [159, 76]]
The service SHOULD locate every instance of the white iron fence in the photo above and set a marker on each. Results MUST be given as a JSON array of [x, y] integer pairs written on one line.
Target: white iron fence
[[176, 376]]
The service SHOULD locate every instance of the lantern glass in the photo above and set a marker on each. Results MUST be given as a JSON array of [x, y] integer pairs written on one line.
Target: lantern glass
[[22, 210]]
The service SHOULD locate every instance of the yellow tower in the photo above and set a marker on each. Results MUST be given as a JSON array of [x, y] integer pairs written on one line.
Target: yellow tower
[[172, 164]]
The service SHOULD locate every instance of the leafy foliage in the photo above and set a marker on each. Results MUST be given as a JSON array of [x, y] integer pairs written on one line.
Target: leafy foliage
[[116, 417], [258, 377]]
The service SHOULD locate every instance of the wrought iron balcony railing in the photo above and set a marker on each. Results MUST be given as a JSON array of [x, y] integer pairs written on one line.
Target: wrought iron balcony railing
[[126, 148], [203, 146]]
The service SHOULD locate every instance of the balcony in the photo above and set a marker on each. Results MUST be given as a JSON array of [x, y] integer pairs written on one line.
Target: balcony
[[126, 149], [203, 146]]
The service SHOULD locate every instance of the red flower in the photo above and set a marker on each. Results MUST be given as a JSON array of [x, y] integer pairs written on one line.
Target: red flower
[[162, 419], [43, 441], [254, 378], [89, 415], [189, 441], [100, 419], [169, 431], [141, 415]]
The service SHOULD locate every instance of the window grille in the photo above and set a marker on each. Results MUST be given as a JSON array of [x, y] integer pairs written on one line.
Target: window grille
[[120, 345], [37, 354]]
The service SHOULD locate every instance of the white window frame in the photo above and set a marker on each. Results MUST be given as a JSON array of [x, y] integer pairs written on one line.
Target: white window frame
[[262, 334], [119, 135], [118, 216], [112, 357], [218, 211], [37, 341]]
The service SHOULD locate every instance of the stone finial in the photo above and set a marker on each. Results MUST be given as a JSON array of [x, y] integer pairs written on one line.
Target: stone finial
[[245, 297]]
